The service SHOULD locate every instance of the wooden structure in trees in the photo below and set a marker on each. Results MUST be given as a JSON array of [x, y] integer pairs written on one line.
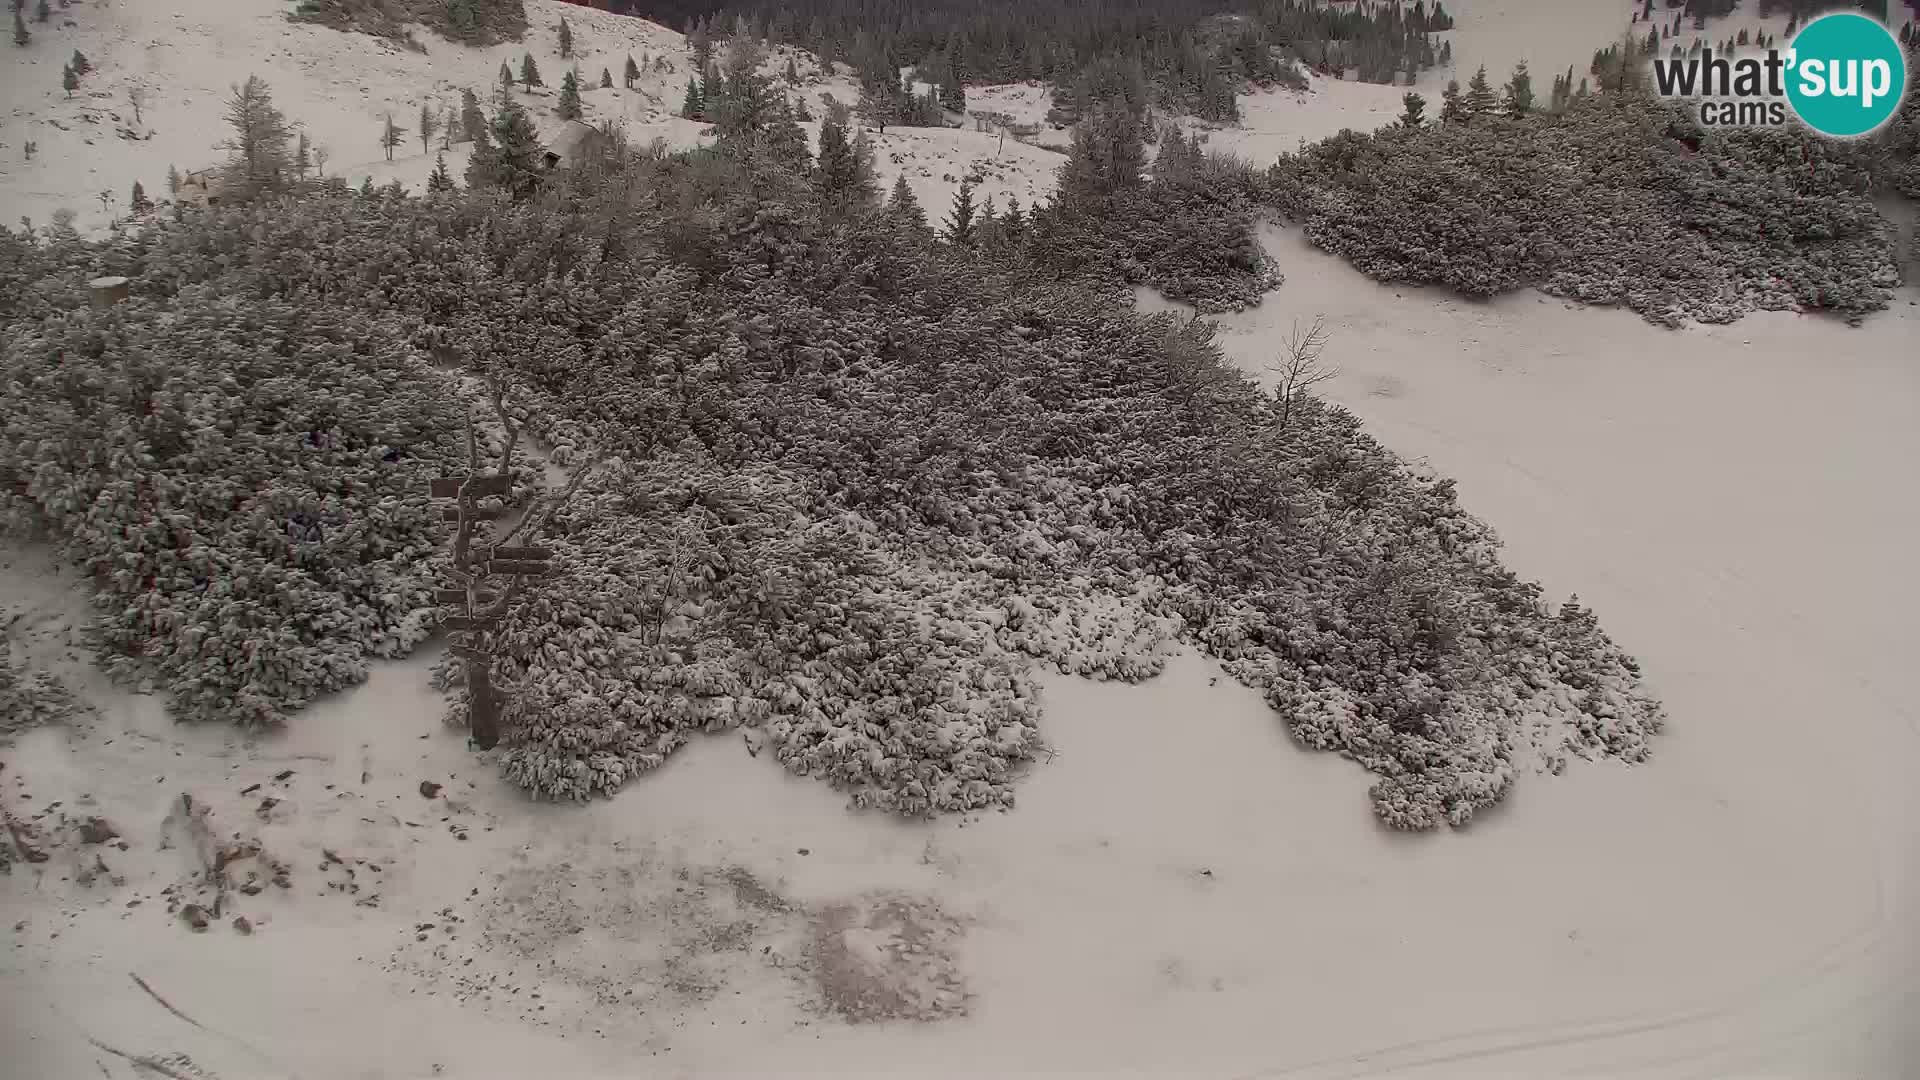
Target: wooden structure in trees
[[576, 142], [477, 608], [108, 291]]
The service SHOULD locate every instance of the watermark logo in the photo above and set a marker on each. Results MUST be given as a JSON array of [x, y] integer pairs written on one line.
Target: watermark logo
[[1843, 75]]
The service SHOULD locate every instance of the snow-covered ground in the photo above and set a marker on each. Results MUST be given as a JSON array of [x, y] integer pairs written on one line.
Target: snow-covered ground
[[1216, 905], [1550, 37], [1209, 902]]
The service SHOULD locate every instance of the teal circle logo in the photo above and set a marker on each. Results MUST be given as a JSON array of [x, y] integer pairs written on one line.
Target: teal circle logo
[[1846, 74]]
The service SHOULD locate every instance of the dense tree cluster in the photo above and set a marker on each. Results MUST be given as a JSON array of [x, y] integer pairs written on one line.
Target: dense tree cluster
[[470, 22], [1186, 228], [856, 472], [1615, 199], [1193, 57]]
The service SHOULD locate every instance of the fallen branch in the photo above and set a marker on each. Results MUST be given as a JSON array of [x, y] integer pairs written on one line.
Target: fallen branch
[[169, 1006], [142, 1062], [165, 1004]]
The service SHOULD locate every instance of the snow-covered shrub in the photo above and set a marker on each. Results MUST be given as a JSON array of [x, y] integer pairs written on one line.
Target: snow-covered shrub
[[855, 486], [243, 479], [699, 598], [1618, 200], [1188, 232]]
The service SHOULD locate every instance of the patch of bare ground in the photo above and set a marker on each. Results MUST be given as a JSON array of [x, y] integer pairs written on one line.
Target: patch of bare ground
[[888, 957], [562, 939]]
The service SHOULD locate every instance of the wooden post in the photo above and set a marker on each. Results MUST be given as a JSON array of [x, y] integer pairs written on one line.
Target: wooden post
[[108, 291], [479, 610], [483, 707]]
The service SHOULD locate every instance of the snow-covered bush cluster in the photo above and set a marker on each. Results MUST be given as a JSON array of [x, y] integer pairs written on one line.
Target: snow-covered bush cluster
[[1618, 199], [1187, 231], [856, 479], [701, 598], [1894, 151], [243, 478]]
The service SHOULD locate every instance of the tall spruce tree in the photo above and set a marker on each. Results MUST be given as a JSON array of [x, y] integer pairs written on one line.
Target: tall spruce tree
[[747, 105], [701, 42], [1519, 101], [510, 159], [258, 153], [1480, 100], [472, 121], [631, 73], [1413, 109], [903, 208], [1013, 223], [440, 180], [1107, 157], [569, 105], [961, 230], [843, 179], [1452, 109], [786, 140], [429, 124], [879, 106], [566, 40], [529, 71], [953, 92]]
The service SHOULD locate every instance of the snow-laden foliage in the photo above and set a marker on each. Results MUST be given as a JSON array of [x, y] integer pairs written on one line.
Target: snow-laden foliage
[[243, 479], [1187, 231], [696, 598], [1617, 200], [858, 480], [1894, 151]]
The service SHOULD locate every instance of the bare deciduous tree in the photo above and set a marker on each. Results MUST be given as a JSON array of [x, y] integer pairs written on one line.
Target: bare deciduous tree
[[137, 97], [1300, 367]]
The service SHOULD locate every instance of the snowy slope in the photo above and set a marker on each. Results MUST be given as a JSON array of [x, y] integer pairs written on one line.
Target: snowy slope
[[186, 55], [338, 87]]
